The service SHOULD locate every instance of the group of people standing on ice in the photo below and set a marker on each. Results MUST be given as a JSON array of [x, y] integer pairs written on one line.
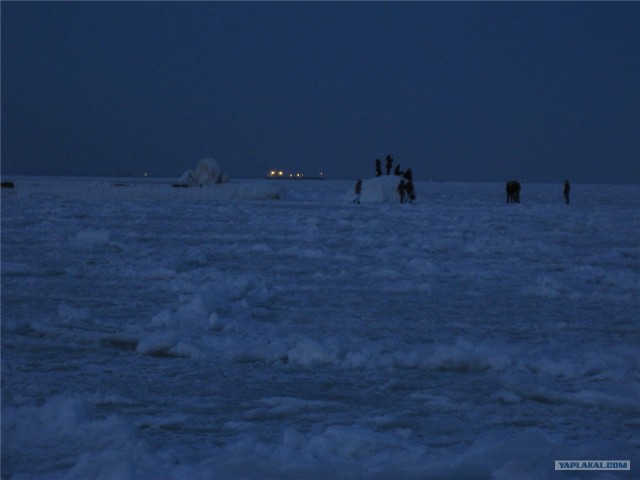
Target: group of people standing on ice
[[407, 192], [389, 166], [513, 191], [405, 188], [514, 187]]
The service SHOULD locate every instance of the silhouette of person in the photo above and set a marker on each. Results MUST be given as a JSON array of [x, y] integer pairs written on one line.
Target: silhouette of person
[[567, 189], [513, 191], [378, 167], [411, 192], [389, 164], [358, 191], [397, 172], [408, 174], [401, 190]]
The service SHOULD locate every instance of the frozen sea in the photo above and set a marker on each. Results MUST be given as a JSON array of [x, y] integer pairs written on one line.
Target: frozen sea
[[276, 330]]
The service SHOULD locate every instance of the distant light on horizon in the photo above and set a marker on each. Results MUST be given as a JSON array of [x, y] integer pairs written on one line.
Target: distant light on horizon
[[274, 173]]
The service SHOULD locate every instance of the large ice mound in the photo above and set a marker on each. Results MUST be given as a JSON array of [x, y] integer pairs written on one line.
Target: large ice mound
[[207, 172]]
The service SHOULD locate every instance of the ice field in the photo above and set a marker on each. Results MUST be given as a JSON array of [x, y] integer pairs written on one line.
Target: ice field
[[276, 330]]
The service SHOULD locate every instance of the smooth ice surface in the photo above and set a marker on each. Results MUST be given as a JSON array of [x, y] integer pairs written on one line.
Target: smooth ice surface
[[255, 330]]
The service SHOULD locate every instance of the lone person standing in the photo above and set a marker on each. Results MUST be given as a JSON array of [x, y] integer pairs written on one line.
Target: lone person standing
[[411, 192], [358, 191], [567, 189], [401, 190]]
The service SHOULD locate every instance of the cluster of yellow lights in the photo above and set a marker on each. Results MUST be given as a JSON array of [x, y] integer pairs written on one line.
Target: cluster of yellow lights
[[280, 173]]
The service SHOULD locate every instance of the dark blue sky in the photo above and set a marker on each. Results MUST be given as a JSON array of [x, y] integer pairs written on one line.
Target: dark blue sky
[[458, 91]]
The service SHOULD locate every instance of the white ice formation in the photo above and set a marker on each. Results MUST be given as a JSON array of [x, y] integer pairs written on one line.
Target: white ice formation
[[381, 189], [207, 172]]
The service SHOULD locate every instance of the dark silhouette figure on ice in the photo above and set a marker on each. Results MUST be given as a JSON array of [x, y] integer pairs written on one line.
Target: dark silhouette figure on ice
[[378, 167], [358, 191], [411, 192], [401, 190], [567, 189], [389, 164], [513, 191]]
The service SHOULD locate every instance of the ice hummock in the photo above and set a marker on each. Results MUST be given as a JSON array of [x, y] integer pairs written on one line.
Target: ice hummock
[[207, 172], [382, 189]]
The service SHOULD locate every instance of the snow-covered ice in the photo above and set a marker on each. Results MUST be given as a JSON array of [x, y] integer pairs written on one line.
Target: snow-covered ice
[[261, 329]]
